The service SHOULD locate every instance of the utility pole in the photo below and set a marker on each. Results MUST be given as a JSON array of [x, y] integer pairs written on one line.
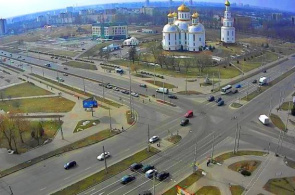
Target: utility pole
[[84, 86], [105, 160], [268, 147], [163, 92], [186, 84], [219, 78], [279, 139], [213, 82], [239, 135], [270, 105], [102, 91], [154, 74], [43, 71], [148, 148], [61, 132], [280, 100], [212, 153], [236, 136], [154, 186], [31, 69], [247, 90], [195, 158], [130, 90], [110, 119]]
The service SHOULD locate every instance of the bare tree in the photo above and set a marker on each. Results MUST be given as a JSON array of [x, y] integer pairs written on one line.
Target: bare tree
[[21, 125], [203, 62], [187, 63], [7, 128], [132, 54]]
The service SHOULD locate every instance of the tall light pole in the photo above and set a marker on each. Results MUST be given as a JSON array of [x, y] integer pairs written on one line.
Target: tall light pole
[[163, 92], [131, 113], [195, 158], [105, 160], [212, 153], [84, 85], [61, 132], [110, 118]]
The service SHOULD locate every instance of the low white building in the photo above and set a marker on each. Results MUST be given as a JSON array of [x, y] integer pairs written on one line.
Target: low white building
[[131, 42]]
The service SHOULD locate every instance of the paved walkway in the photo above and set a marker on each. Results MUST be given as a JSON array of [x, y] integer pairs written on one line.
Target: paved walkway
[[70, 120], [222, 177]]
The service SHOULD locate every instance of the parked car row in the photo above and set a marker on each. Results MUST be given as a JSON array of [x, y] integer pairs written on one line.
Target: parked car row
[[109, 86]]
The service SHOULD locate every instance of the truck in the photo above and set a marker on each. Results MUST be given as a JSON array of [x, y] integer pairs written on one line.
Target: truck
[[262, 81], [162, 90], [264, 119]]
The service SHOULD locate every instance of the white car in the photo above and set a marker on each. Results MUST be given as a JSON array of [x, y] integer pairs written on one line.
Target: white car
[[150, 173], [103, 155], [134, 94], [116, 89], [154, 139]]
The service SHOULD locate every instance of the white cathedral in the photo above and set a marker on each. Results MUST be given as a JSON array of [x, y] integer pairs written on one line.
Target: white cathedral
[[184, 31]]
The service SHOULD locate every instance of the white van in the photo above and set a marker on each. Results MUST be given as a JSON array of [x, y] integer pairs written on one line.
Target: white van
[[264, 119], [162, 90]]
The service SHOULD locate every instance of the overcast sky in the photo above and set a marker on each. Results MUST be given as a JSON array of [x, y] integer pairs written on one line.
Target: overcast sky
[[10, 8]]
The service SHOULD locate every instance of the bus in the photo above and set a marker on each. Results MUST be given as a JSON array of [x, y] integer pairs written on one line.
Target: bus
[[226, 89]]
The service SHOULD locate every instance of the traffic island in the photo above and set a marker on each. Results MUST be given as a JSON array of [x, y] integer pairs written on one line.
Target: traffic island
[[246, 167], [167, 103], [208, 190], [281, 185], [174, 139], [221, 158], [130, 117], [85, 124], [236, 190], [277, 121], [189, 93], [236, 105], [112, 171]]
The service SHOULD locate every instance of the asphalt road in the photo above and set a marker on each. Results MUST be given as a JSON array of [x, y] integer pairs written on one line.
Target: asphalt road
[[208, 120]]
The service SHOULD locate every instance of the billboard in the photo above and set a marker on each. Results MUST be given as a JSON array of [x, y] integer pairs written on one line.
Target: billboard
[[181, 191], [90, 103]]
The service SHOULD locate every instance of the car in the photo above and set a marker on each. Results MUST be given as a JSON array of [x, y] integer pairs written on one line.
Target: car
[[184, 122], [65, 68], [171, 96], [234, 91], [211, 98], [83, 49], [70, 164], [134, 94], [100, 84], [150, 173], [143, 85], [147, 192], [145, 168], [116, 89], [127, 178], [162, 175], [135, 166], [218, 99], [154, 139], [254, 81], [65, 74], [125, 91], [264, 71], [109, 86], [60, 79], [189, 114], [102, 156], [56, 57], [238, 86], [48, 65], [24, 59], [220, 103]]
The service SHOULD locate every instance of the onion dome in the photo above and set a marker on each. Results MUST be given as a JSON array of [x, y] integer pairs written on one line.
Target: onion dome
[[195, 15], [170, 28], [170, 15], [183, 8], [174, 14], [227, 3]]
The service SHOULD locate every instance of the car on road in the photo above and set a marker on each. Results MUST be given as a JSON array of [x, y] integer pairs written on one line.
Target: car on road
[[135, 166], [171, 96], [234, 91], [116, 89], [65, 68], [150, 173], [145, 168], [220, 103], [238, 86], [211, 98], [24, 59], [254, 81], [127, 178], [147, 192], [70, 164], [83, 49], [48, 65], [56, 57], [134, 94], [218, 99], [184, 122], [264, 71], [125, 91], [102, 156], [65, 74], [143, 85], [60, 79], [189, 114], [154, 139], [109, 86], [162, 175]]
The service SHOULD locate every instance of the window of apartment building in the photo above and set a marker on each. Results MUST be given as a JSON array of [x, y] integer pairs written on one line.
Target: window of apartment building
[[200, 39], [169, 37], [227, 33]]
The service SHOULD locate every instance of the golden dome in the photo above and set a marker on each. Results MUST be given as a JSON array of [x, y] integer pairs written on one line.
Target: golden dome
[[174, 14], [227, 3], [183, 8], [195, 15], [170, 15]]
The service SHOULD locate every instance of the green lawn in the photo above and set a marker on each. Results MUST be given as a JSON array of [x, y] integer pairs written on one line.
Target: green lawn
[[185, 183], [63, 53], [208, 190], [160, 84], [228, 155], [81, 127], [50, 129], [277, 121], [285, 186], [23, 90], [189, 92], [82, 65], [95, 49], [236, 190], [112, 171], [130, 120], [174, 139], [249, 165], [285, 105], [236, 105], [35, 105]]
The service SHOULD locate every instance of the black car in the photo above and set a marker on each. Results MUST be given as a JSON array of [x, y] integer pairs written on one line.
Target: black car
[[218, 99], [145, 193], [65, 68], [172, 96], [254, 81], [184, 122], [143, 85], [135, 166], [211, 98], [163, 175], [127, 178], [235, 91], [147, 168], [70, 165]]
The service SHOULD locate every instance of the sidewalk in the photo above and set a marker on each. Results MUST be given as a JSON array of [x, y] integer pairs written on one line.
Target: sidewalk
[[70, 121]]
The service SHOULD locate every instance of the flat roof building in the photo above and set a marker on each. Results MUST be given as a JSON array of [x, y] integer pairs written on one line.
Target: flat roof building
[[110, 30]]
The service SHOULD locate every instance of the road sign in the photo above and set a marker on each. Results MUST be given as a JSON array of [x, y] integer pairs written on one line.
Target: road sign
[[90, 103]]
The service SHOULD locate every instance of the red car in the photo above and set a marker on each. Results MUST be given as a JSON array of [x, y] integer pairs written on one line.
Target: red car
[[189, 114]]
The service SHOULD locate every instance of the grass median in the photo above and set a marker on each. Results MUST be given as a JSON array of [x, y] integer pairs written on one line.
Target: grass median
[[82, 65], [277, 121], [100, 136], [208, 190], [160, 84], [281, 185], [228, 155], [112, 171], [236, 190], [82, 125]]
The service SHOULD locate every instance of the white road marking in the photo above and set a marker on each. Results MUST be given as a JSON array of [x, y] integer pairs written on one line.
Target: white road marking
[[87, 168], [43, 189]]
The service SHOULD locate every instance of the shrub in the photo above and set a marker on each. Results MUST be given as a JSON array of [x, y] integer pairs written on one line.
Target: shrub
[[238, 61], [246, 173]]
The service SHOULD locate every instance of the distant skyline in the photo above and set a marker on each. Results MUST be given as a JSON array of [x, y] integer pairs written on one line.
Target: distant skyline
[[12, 8]]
